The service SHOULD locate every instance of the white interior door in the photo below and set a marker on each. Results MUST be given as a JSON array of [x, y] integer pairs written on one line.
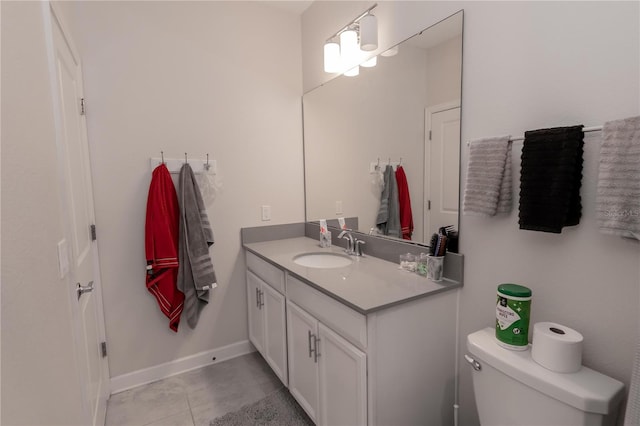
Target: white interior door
[[76, 187], [442, 158]]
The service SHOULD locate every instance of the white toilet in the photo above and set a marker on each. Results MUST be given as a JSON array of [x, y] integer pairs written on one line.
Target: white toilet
[[512, 389]]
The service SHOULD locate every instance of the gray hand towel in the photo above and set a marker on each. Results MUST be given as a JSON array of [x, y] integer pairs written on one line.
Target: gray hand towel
[[489, 174], [196, 275], [618, 197], [388, 220]]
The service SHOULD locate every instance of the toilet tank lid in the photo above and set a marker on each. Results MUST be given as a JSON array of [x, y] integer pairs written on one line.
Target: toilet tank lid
[[586, 390]]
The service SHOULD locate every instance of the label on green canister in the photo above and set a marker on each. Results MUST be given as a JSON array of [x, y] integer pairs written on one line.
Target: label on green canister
[[513, 309]]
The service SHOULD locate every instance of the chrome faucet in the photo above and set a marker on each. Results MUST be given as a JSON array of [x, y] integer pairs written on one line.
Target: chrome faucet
[[354, 245], [346, 234]]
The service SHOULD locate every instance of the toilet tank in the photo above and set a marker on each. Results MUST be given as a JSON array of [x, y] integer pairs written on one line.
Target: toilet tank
[[512, 389]]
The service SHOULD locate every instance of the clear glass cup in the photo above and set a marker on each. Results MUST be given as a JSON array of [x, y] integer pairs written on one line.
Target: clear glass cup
[[435, 266]]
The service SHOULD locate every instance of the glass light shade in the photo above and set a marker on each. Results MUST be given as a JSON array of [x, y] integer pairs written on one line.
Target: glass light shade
[[369, 33], [349, 49], [331, 57], [352, 72], [391, 52], [371, 62]]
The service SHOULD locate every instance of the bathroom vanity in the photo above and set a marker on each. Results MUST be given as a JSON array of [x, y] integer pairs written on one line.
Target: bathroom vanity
[[360, 344]]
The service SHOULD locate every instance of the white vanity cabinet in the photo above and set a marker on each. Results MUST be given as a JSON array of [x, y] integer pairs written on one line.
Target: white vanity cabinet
[[302, 334], [389, 366], [267, 322], [327, 374], [327, 371]]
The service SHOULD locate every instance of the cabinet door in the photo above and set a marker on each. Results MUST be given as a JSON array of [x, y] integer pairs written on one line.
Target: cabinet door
[[303, 371], [275, 334], [343, 380], [256, 327]]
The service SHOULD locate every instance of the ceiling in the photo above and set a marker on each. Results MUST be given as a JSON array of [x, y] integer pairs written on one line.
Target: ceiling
[[293, 6]]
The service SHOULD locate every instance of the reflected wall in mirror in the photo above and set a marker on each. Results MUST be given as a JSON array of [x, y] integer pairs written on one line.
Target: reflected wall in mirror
[[407, 109]]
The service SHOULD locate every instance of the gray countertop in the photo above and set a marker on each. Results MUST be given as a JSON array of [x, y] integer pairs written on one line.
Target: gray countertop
[[367, 285]]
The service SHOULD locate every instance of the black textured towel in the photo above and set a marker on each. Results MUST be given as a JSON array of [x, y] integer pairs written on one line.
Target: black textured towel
[[550, 179]]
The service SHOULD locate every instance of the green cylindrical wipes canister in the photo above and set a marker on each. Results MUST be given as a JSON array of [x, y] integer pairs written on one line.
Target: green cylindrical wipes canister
[[512, 316]]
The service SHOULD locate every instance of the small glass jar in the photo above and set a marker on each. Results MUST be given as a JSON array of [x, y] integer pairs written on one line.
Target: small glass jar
[[421, 266], [408, 262]]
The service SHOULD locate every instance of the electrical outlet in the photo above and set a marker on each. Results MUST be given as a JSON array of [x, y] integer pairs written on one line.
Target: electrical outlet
[[266, 213], [338, 207]]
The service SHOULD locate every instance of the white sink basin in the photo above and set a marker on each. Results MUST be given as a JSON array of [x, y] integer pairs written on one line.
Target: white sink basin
[[322, 260]]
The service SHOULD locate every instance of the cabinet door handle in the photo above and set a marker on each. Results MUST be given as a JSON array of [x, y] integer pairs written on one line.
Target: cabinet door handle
[[310, 337], [261, 300], [257, 298], [316, 353]]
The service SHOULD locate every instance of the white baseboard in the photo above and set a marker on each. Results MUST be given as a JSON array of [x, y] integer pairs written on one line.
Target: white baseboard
[[168, 369]]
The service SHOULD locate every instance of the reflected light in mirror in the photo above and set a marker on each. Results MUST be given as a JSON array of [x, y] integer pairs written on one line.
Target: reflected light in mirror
[[391, 52], [353, 72], [370, 62]]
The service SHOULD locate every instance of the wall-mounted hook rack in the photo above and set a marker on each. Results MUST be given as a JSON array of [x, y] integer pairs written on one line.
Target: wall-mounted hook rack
[[175, 164], [376, 165]]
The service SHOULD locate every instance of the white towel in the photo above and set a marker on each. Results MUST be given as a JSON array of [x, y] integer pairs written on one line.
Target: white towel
[[489, 177], [618, 198]]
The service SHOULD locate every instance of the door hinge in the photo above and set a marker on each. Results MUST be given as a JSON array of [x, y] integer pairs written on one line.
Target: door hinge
[[429, 134], [103, 349], [93, 233], [82, 107], [428, 204]]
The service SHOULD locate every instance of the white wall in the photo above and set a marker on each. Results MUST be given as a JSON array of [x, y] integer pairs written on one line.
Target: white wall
[[530, 65], [199, 77], [40, 384]]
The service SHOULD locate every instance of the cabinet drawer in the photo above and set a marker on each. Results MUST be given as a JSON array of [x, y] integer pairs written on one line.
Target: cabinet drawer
[[266, 271], [343, 320]]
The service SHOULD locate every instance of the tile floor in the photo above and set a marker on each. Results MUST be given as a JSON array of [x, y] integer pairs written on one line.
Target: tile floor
[[196, 397]]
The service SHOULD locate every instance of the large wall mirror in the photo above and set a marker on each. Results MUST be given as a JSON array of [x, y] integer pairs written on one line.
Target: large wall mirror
[[404, 111]]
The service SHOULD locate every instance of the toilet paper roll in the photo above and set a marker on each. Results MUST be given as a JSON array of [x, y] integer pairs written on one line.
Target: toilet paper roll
[[556, 347]]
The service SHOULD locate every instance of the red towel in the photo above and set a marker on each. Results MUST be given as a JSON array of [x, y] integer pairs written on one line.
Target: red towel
[[406, 216], [161, 245]]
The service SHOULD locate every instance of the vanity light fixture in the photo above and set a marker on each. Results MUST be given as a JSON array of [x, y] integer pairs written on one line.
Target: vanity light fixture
[[369, 32], [357, 36], [331, 57], [349, 49]]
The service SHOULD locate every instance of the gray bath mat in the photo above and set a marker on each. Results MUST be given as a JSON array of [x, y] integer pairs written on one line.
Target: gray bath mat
[[277, 409]]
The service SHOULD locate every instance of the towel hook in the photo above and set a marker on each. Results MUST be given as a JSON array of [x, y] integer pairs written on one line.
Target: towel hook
[[185, 158], [389, 160], [400, 162], [162, 155], [207, 165]]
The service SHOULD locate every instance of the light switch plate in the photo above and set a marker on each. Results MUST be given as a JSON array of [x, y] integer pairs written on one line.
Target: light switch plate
[[266, 213], [63, 258], [338, 207]]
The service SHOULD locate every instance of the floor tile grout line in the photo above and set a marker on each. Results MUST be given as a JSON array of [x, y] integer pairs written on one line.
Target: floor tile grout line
[[193, 419]]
